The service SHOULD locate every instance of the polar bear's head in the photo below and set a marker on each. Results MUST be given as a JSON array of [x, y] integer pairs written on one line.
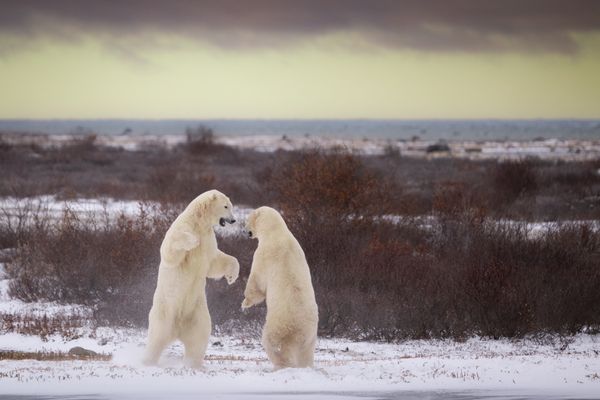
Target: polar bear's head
[[264, 220], [213, 207]]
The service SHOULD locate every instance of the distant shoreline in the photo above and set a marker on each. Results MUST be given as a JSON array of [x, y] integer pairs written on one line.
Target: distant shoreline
[[438, 129], [572, 149]]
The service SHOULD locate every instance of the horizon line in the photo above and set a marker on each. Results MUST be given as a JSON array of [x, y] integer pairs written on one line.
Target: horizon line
[[335, 119]]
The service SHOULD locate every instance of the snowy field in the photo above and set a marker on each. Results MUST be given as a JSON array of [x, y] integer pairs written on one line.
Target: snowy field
[[236, 365]]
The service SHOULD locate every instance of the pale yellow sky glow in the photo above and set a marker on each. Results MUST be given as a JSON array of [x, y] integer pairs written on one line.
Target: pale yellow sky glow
[[324, 78]]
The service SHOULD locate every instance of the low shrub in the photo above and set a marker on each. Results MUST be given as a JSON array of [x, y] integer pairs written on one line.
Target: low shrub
[[95, 261], [514, 178], [68, 327], [458, 275], [455, 274]]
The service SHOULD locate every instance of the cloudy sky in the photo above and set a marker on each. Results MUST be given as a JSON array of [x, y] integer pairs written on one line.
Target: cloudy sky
[[300, 59]]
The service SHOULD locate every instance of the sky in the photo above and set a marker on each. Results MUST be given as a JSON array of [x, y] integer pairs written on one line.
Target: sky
[[326, 59]]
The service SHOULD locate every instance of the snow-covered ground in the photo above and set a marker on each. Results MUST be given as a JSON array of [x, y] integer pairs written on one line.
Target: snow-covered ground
[[236, 366], [239, 365]]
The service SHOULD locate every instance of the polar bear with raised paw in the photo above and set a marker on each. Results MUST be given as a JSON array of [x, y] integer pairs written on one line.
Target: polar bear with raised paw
[[280, 274], [189, 255]]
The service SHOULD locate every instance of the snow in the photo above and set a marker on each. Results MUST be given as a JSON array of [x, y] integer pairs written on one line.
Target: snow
[[10, 305], [56, 207], [239, 365], [15, 211]]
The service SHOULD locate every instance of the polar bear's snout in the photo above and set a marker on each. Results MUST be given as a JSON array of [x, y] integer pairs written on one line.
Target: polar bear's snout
[[246, 230], [228, 218], [223, 221]]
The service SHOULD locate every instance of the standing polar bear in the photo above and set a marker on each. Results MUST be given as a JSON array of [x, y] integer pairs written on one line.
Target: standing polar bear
[[280, 274], [188, 255]]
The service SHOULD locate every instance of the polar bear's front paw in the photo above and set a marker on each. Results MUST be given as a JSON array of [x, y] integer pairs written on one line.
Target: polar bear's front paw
[[246, 304], [233, 273]]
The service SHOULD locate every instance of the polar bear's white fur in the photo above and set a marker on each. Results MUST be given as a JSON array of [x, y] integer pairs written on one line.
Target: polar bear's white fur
[[280, 274], [188, 255]]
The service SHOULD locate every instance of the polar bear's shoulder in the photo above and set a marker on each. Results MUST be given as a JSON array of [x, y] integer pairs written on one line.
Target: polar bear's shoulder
[[181, 239]]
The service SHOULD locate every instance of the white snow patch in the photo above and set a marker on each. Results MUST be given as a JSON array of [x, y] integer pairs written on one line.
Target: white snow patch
[[25, 211], [236, 365]]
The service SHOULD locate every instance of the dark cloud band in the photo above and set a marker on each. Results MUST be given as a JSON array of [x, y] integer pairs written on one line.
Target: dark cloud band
[[463, 25]]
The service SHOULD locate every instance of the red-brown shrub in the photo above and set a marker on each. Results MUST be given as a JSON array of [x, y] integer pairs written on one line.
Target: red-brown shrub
[[514, 178]]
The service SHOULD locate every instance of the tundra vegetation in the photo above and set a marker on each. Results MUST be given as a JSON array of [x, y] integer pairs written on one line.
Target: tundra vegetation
[[398, 247]]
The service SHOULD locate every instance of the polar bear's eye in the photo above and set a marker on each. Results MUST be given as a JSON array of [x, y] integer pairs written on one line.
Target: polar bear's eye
[[226, 207]]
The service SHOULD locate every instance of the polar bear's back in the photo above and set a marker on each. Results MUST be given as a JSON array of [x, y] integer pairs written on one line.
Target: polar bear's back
[[290, 294]]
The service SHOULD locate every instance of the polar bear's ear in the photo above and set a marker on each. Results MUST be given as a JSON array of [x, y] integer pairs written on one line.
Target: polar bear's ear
[[213, 197]]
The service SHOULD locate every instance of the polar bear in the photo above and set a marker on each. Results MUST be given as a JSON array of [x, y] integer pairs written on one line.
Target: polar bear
[[280, 274], [188, 255]]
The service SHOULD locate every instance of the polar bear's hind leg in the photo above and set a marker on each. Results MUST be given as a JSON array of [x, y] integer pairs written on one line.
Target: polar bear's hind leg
[[281, 351], [306, 354], [159, 337], [194, 335]]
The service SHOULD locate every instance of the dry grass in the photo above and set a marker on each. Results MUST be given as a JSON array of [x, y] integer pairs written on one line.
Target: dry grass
[[15, 355], [98, 262], [67, 326], [464, 276], [373, 279]]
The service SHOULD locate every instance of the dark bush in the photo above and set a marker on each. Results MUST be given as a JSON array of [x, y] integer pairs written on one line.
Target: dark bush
[[383, 267], [110, 266], [178, 182], [329, 185], [460, 276], [514, 178], [453, 199], [379, 279], [438, 148], [200, 142], [5, 148]]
